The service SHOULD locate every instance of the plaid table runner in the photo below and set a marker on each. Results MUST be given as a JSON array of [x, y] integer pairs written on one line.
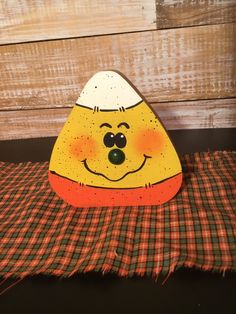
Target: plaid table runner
[[40, 234]]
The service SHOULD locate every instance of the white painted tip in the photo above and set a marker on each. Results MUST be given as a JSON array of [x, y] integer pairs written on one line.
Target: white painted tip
[[108, 90]]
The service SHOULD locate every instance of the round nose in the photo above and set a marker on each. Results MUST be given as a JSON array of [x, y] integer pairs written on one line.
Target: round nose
[[116, 156]]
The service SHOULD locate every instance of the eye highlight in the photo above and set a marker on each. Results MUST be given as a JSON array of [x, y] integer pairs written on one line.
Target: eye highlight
[[109, 139]]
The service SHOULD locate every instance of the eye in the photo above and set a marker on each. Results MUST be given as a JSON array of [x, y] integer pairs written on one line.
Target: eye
[[120, 140], [109, 139]]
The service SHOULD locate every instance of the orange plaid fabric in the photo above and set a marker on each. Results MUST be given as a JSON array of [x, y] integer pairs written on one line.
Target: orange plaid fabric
[[40, 234]]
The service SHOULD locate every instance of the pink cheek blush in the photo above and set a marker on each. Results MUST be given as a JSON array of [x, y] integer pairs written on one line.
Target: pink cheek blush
[[149, 142], [84, 147]]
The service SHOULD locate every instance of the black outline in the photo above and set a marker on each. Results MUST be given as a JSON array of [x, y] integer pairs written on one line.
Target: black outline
[[84, 106], [107, 110], [124, 124], [105, 124], [103, 187], [60, 175]]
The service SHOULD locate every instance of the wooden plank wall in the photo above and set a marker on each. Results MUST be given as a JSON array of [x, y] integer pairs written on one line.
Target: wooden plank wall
[[181, 55]]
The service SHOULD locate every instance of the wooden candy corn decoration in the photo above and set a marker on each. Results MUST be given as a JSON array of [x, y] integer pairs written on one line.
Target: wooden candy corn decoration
[[113, 150]]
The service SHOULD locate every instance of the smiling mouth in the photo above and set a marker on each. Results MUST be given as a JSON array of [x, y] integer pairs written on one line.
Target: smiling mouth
[[115, 180]]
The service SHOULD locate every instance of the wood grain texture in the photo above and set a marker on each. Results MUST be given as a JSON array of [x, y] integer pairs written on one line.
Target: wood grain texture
[[220, 113], [32, 20], [178, 13], [166, 65], [202, 114], [32, 123]]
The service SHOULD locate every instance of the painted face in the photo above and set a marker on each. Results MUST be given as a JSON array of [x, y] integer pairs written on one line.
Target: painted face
[[124, 148], [116, 149]]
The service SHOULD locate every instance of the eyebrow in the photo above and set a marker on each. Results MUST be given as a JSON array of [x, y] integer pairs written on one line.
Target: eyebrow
[[105, 124], [124, 124]]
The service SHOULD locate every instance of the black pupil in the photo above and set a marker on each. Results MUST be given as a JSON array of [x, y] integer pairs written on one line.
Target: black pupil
[[120, 140], [110, 140]]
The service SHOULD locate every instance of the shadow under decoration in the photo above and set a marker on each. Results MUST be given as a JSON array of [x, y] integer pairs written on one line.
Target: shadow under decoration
[[113, 149]]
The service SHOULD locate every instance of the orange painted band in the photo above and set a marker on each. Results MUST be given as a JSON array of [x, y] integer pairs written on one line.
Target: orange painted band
[[85, 196]]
